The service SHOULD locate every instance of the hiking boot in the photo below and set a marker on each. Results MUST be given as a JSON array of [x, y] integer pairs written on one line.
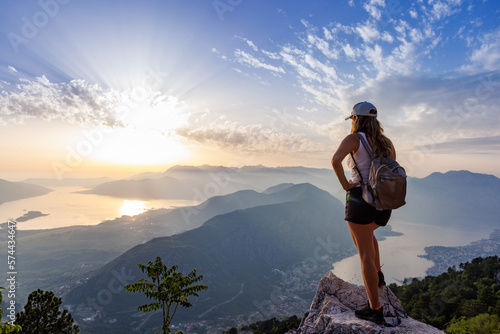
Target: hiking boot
[[376, 316], [381, 280]]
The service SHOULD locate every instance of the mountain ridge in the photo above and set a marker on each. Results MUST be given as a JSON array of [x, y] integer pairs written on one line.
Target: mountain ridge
[[452, 198], [239, 249], [12, 191]]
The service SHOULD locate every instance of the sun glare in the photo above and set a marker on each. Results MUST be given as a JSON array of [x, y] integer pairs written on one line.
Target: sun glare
[[139, 147], [148, 133], [132, 208]]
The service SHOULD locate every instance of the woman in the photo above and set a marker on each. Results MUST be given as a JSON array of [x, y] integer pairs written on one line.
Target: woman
[[362, 218]]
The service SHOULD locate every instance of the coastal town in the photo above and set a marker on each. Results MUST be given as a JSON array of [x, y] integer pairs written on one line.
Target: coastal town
[[446, 257]]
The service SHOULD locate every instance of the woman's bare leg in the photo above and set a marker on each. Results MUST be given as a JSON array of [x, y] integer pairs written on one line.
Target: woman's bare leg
[[377, 254], [368, 250]]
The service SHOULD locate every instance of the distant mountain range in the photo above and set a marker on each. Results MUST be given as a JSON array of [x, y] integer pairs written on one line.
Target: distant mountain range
[[69, 182], [13, 191], [455, 198], [187, 182]]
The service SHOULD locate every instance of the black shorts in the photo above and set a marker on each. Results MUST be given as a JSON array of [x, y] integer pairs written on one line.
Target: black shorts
[[359, 212]]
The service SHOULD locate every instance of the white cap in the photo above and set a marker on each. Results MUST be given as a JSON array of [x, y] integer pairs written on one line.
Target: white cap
[[363, 109]]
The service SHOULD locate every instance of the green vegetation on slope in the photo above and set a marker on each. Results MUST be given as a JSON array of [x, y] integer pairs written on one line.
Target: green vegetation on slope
[[269, 326], [454, 296], [481, 324]]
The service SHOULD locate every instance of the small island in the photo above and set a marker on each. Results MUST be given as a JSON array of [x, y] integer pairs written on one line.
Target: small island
[[31, 215], [27, 216]]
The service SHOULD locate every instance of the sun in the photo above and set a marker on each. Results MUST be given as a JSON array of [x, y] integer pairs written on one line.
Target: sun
[[140, 147], [147, 136]]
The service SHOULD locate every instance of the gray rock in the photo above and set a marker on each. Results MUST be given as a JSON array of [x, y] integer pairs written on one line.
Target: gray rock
[[333, 306]]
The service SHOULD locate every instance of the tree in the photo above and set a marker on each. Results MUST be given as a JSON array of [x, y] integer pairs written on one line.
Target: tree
[[7, 328], [41, 314], [168, 287]]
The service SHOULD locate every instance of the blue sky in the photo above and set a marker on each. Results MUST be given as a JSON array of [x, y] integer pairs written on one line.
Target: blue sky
[[118, 87]]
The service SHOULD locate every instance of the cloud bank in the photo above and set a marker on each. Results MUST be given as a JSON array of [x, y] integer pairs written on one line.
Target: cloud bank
[[81, 103], [77, 102]]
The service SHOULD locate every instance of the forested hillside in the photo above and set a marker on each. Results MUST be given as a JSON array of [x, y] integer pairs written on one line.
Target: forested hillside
[[459, 297]]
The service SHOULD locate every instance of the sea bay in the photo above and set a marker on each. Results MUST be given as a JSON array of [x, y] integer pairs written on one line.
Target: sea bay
[[66, 207]]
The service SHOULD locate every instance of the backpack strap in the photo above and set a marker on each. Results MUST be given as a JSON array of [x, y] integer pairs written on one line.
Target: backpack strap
[[370, 153], [365, 144], [358, 173]]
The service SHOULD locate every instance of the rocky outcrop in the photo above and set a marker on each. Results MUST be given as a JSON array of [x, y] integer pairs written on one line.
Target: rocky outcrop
[[332, 311]]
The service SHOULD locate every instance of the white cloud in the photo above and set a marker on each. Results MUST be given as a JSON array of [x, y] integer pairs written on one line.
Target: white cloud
[[295, 58], [251, 44], [477, 22], [487, 56], [246, 58], [12, 69], [416, 35], [373, 7], [402, 27], [444, 8], [349, 51], [248, 138], [368, 32], [76, 102], [402, 60], [387, 37], [375, 56], [217, 52], [248, 42], [413, 14], [315, 64], [324, 95], [272, 55], [469, 40], [323, 46], [328, 34]]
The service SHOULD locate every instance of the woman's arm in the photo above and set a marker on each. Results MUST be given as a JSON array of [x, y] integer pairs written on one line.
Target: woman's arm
[[348, 145]]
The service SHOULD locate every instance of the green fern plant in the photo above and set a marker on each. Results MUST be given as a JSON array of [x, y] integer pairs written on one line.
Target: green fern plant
[[167, 287]]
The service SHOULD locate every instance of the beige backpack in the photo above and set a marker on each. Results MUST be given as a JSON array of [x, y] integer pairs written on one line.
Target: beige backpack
[[386, 185]]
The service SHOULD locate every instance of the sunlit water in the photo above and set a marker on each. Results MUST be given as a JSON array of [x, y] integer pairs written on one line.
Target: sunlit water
[[399, 254], [67, 208]]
